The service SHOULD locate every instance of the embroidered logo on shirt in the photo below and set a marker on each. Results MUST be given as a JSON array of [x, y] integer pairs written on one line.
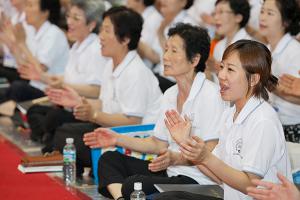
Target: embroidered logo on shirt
[[237, 148]]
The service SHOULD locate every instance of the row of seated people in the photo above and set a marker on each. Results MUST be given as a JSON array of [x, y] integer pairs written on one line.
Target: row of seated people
[[130, 94]]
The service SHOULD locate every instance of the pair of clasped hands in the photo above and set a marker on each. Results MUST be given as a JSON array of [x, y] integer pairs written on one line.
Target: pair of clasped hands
[[192, 148]]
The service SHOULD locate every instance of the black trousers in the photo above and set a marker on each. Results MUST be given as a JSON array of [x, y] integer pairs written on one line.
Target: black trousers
[[76, 131], [10, 74], [44, 120], [292, 133], [115, 167], [21, 91], [164, 83], [176, 195]]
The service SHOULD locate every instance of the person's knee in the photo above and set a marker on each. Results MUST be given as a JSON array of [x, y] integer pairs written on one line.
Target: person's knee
[[128, 185], [107, 158]]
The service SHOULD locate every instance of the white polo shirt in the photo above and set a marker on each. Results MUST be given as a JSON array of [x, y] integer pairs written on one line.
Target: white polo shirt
[[254, 13], [199, 8], [253, 143], [50, 46], [204, 107], [85, 63], [286, 60], [131, 89], [222, 44]]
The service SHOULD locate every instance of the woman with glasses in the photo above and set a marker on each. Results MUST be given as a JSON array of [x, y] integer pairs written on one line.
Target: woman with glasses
[[231, 16], [83, 71]]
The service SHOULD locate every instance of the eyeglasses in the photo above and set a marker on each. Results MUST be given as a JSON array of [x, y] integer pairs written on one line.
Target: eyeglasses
[[222, 12], [75, 17]]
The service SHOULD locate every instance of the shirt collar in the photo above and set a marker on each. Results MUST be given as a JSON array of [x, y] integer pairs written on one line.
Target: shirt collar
[[147, 12], [252, 104], [196, 86], [44, 28], [125, 62], [241, 34], [282, 44], [79, 48], [195, 89]]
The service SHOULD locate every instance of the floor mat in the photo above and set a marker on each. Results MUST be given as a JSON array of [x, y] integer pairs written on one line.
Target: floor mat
[[15, 185]]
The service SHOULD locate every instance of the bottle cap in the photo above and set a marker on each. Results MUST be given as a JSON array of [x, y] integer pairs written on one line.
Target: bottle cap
[[137, 186], [69, 140]]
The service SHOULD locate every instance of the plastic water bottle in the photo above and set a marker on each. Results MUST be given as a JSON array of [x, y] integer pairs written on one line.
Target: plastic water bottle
[[138, 194], [69, 168]]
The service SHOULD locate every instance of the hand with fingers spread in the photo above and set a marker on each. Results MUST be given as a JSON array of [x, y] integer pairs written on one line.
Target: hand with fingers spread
[[178, 127], [66, 96], [162, 162], [290, 85], [30, 71], [271, 191], [194, 149], [100, 138], [83, 111]]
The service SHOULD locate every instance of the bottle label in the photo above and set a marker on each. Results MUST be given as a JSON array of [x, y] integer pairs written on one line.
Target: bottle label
[[69, 156]]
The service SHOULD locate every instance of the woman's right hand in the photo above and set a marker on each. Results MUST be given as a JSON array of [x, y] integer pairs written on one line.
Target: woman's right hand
[[66, 96], [100, 138], [178, 127]]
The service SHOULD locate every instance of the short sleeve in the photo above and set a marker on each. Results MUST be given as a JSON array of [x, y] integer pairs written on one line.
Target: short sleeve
[[259, 147]]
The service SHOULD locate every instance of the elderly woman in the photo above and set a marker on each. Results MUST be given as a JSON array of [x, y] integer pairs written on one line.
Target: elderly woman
[[172, 12], [193, 96], [129, 91], [46, 48], [252, 144], [83, 71], [279, 21]]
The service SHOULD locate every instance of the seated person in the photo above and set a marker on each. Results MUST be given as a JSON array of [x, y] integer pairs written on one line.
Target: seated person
[[46, 48], [251, 144], [279, 30], [129, 90], [193, 96], [83, 71], [231, 16]]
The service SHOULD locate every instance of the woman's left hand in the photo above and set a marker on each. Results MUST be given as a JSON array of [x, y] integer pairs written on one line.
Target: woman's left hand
[[194, 149], [162, 162], [83, 111]]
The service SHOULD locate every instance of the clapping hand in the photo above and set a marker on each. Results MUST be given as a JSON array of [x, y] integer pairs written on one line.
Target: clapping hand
[[162, 162], [100, 138], [66, 96], [83, 111], [194, 149], [271, 191], [290, 85], [178, 127]]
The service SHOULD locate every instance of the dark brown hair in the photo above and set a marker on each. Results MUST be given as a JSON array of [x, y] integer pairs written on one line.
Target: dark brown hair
[[256, 59]]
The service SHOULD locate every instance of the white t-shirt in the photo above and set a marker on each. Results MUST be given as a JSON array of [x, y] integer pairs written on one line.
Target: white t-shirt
[[131, 89], [50, 46], [286, 60], [204, 107], [85, 63], [253, 143], [152, 20], [222, 44]]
